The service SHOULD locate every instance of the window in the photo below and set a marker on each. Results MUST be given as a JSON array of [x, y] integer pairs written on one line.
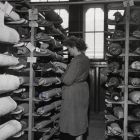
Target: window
[[112, 17], [94, 31]]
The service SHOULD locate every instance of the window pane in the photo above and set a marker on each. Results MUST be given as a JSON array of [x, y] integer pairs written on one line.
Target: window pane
[[89, 39], [64, 15], [111, 13], [112, 17], [99, 41], [94, 32], [89, 20], [99, 19]]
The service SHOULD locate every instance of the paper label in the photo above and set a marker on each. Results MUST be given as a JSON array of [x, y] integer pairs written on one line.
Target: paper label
[[125, 3], [128, 3], [8, 8], [33, 14], [37, 49], [30, 47], [131, 2], [31, 59]]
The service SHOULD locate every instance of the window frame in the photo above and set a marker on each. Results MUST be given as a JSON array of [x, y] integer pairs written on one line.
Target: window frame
[[85, 9], [49, 1]]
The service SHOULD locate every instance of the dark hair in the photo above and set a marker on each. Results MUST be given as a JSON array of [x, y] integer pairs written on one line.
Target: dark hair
[[73, 41]]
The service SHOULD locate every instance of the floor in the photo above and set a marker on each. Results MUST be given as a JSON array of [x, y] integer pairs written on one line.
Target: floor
[[96, 126]]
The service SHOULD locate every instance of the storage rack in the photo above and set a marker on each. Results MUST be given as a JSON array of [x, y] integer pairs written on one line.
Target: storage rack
[[125, 69], [125, 55], [33, 16]]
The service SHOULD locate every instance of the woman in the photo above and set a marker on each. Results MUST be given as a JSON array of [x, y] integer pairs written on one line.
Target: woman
[[75, 92]]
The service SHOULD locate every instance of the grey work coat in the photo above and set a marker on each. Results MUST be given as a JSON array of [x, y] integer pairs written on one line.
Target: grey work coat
[[75, 97]]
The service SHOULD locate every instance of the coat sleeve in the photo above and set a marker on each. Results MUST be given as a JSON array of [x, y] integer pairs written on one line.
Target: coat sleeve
[[71, 73]]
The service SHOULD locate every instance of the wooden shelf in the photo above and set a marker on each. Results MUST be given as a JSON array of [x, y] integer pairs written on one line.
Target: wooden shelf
[[113, 102], [123, 55], [132, 118], [113, 22], [122, 39], [130, 86]]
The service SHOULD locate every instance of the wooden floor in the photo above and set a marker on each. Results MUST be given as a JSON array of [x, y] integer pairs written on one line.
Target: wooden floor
[[96, 127]]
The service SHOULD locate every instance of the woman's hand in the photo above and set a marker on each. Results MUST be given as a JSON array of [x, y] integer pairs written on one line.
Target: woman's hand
[[60, 65]]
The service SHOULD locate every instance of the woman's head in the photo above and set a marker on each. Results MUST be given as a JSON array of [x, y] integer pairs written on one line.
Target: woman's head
[[75, 42]]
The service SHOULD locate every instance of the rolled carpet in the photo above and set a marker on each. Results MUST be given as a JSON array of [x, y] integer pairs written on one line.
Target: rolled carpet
[[8, 10], [7, 34], [134, 96], [8, 82], [7, 60], [7, 104], [9, 129]]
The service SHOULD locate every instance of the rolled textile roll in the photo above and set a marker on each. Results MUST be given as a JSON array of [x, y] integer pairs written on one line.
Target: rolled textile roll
[[20, 90], [7, 60], [7, 34], [137, 51], [51, 15], [7, 8], [43, 36], [9, 129], [118, 16], [50, 93], [116, 96], [18, 135], [134, 16], [8, 83], [113, 66], [136, 112], [118, 34], [135, 65], [48, 81], [24, 95], [135, 81], [136, 33], [136, 129], [114, 49], [21, 109], [113, 81], [48, 136], [134, 96], [7, 105], [118, 112], [42, 124], [21, 21], [44, 109], [23, 137], [24, 123], [114, 129]]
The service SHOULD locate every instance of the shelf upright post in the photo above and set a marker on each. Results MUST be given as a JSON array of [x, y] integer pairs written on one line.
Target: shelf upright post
[[127, 19], [33, 16]]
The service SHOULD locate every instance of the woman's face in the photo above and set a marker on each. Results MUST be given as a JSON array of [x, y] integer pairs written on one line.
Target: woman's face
[[71, 51]]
